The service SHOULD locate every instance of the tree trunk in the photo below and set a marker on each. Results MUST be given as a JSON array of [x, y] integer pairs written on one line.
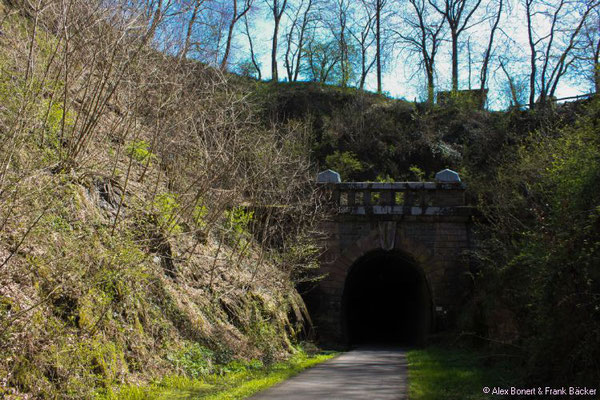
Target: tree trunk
[[298, 57], [378, 37], [274, 75], [289, 66], [470, 62], [363, 71], [344, 60], [301, 39], [513, 89], [188, 36], [454, 61], [597, 77], [228, 45], [252, 55], [488, 51], [533, 66], [597, 68], [430, 86]]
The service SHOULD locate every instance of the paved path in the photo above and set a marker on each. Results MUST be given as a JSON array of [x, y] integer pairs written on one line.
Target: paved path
[[368, 373]]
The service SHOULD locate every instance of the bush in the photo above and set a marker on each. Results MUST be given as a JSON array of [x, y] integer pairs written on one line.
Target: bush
[[139, 150], [543, 248], [194, 361], [167, 206], [345, 163]]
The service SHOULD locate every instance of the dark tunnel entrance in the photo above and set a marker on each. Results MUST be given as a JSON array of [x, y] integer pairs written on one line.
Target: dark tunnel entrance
[[386, 301]]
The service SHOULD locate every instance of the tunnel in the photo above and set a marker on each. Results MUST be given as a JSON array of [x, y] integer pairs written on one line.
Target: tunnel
[[386, 301]]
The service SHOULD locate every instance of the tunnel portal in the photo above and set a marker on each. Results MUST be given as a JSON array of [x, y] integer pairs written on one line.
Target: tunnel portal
[[386, 301], [395, 261]]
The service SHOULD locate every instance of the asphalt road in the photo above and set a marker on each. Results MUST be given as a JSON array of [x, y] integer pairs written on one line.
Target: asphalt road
[[368, 373]]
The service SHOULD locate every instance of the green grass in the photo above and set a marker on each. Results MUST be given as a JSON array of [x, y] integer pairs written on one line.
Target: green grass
[[235, 385], [436, 373]]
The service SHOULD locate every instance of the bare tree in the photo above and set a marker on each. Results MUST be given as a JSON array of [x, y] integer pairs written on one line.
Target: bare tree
[[555, 47], [515, 89], [457, 13], [277, 8], [236, 15], [587, 52], [322, 58], [363, 33], [483, 76], [422, 36], [251, 46], [301, 37], [532, 49], [379, 8], [207, 31], [337, 20], [195, 10], [301, 18]]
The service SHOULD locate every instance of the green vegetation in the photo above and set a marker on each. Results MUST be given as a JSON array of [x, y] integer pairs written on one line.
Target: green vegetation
[[417, 173], [443, 373], [534, 176], [167, 206], [139, 150], [541, 249], [235, 380], [345, 163], [238, 220], [363, 136]]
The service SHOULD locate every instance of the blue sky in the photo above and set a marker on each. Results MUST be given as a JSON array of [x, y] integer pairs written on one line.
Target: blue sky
[[397, 80]]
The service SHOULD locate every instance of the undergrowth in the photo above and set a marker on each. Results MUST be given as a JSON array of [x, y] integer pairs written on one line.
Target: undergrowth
[[233, 380]]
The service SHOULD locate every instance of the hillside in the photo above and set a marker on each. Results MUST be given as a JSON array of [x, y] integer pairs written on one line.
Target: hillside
[[366, 136], [126, 251]]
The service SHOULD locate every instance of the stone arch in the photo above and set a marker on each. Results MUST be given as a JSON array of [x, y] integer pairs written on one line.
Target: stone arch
[[373, 241], [382, 238]]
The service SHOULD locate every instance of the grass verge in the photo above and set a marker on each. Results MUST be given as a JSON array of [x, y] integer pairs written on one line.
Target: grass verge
[[436, 373], [230, 386]]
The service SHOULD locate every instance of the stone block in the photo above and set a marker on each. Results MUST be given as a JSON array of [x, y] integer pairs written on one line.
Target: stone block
[[447, 175], [329, 176]]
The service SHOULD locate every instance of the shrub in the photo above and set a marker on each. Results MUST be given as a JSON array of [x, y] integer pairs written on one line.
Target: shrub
[[195, 360], [544, 247], [167, 207], [139, 150], [238, 219], [345, 163]]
